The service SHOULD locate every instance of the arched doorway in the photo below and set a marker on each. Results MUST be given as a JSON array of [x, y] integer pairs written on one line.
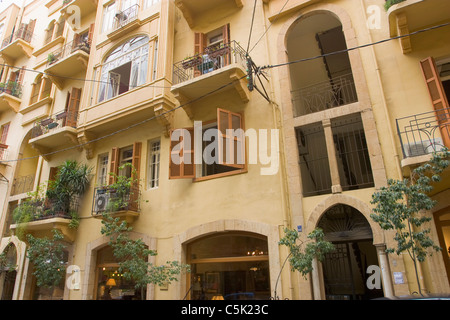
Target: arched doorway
[[345, 270], [8, 273], [110, 283], [230, 266]]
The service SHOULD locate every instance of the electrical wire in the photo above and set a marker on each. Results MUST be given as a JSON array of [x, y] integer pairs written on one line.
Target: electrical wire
[[230, 83], [251, 27], [130, 126], [273, 21], [355, 48]]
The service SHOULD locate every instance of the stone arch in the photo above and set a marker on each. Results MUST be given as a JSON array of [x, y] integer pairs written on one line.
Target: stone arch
[[363, 208], [20, 261], [88, 282], [203, 230]]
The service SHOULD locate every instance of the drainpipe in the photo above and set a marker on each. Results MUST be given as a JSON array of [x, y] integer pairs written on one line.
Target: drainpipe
[[278, 121]]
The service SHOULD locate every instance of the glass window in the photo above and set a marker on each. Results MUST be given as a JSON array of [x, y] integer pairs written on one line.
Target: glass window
[[149, 3], [111, 284], [153, 164], [108, 17], [102, 171], [230, 267], [124, 69]]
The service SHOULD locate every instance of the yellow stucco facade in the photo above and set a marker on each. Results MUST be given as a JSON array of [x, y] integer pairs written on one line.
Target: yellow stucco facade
[[120, 77]]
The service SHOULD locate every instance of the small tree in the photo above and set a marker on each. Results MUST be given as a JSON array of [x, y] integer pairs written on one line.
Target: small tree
[[133, 257], [48, 259], [402, 207], [302, 254]]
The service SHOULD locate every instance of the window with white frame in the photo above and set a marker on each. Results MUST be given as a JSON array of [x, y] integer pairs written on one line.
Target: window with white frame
[[102, 170], [154, 157], [109, 12], [125, 68]]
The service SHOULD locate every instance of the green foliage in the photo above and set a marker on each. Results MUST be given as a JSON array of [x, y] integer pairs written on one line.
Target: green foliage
[[70, 183], [401, 207], [301, 259], [122, 189], [390, 3], [132, 256], [5, 264], [47, 257]]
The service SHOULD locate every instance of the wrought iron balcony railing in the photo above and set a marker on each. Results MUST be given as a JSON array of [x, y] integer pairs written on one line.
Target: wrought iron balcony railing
[[325, 95], [110, 200], [59, 120], [214, 58], [126, 16], [12, 88], [68, 49], [23, 33], [424, 133]]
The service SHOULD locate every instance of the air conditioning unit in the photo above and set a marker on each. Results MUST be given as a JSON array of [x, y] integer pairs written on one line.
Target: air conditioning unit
[[101, 201], [423, 147]]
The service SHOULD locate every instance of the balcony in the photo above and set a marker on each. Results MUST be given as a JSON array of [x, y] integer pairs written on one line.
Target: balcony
[[57, 131], [124, 22], [192, 77], [325, 95], [67, 61], [86, 6], [408, 16], [193, 9], [17, 45], [108, 200], [422, 134], [10, 96], [45, 218]]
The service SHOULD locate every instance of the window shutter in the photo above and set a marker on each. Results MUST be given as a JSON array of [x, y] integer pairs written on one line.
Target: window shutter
[[437, 95], [231, 143], [226, 42], [73, 107], [199, 48], [4, 133], [136, 163], [183, 170], [91, 32], [29, 30], [76, 42], [114, 165], [21, 75]]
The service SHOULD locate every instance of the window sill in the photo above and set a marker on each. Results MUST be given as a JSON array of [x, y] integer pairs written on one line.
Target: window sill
[[220, 175]]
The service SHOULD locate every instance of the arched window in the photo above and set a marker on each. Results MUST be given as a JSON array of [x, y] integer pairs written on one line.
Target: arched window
[[41, 89], [125, 68]]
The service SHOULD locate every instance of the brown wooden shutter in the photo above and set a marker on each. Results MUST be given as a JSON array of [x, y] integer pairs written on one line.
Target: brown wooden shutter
[[114, 167], [4, 133], [437, 95], [183, 170], [226, 42], [53, 173], [21, 75], [231, 146], [76, 42], [73, 107], [199, 48], [91, 32], [30, 30], [134, 190]]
